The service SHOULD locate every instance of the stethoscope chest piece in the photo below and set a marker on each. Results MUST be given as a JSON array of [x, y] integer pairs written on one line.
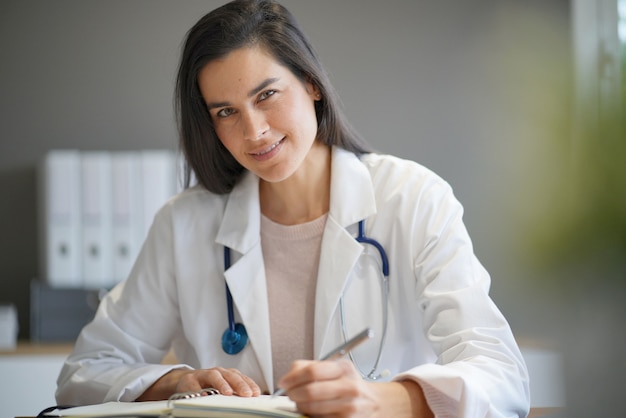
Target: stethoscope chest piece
[[234, 340]]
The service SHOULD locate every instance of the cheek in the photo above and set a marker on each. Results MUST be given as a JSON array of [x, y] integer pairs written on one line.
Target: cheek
[[311, 120], [225, 135], [301, 115]]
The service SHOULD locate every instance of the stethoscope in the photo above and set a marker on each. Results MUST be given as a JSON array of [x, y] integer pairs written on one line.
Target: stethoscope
[[235, 337]]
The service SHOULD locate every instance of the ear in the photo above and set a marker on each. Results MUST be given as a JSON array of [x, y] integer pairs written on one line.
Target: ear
[[313, 90]]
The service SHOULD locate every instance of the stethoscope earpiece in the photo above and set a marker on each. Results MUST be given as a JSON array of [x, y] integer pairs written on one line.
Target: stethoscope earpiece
[[233, 341]]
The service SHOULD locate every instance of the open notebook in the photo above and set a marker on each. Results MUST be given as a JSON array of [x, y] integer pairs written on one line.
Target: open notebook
[[214, 405]]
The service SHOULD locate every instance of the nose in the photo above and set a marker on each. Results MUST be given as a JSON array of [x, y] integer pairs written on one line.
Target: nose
[[254, 125]]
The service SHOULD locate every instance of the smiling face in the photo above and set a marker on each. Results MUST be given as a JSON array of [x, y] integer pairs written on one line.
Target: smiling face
[[262, 113]]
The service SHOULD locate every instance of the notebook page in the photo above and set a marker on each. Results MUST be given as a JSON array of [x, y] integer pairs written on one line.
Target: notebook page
[[235, 406], [115, 409]]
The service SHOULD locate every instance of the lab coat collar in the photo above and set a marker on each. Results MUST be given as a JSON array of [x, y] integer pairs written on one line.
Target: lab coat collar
[[351, 199], [351, 189], [241, 224]]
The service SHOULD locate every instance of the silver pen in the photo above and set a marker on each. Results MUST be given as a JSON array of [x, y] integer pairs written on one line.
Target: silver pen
[[340, 351]]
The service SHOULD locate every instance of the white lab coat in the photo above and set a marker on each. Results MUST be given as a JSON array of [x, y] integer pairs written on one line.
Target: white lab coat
[[443, 330]]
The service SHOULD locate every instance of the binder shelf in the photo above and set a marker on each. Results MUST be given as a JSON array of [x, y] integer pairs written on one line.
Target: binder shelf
[[95, 211]]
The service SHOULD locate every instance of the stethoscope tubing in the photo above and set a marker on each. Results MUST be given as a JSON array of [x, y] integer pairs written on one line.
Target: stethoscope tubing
[[235, 337], [229, 296], [383, 255]]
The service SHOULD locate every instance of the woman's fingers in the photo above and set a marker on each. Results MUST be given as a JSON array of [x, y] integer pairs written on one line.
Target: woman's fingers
[[329, 389], [304, 372], [227, 381], [236, 382]]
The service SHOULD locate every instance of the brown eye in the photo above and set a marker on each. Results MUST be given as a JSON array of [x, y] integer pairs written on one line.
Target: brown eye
[[223, 113], [266, 94]]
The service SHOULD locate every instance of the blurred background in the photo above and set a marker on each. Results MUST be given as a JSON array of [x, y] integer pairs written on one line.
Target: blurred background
[[519, 105]]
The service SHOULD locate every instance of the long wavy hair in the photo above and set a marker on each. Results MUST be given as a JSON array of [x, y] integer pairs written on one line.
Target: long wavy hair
[[243, 23]]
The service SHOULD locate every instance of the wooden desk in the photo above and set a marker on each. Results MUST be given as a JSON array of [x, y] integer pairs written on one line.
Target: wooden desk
[[544, 412], [25, 348]]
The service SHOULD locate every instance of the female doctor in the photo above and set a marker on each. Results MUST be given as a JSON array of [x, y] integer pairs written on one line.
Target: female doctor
[[283, 185]]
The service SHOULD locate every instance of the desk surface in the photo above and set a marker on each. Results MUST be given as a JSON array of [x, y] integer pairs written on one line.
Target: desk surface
[[26, 348], [29, 348], [534, 413], [544, 412]]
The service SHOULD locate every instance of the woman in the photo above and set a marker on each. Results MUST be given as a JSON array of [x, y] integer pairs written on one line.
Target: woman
[[283, 182]]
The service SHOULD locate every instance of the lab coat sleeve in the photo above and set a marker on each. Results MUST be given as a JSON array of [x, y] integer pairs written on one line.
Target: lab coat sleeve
[[117, 356], [479, 371]]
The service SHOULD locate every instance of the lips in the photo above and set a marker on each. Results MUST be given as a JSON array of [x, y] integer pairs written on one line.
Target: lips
[[268, 149]]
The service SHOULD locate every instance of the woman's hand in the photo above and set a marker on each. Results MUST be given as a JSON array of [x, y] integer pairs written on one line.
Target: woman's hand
[[227, 381], [336, 389]]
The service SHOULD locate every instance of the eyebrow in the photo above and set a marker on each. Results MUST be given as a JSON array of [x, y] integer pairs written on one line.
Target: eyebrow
[[251, 93]]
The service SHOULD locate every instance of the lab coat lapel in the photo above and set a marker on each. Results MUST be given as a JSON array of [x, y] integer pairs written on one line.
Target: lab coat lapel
[[351, 200], [241, 224], [246, 281], [240, 231]]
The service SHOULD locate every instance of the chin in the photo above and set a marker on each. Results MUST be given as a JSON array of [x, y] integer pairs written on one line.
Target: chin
[[276, 176]]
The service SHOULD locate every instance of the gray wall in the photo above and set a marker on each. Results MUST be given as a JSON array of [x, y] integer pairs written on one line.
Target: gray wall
[[462, 87]]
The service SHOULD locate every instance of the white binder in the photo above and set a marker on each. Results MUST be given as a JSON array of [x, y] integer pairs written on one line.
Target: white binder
[[97, 219], [158, 178], [60, 219], [127, 212]]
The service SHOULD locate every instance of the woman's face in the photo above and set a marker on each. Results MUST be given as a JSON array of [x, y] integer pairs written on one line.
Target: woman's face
[[262, 113]]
